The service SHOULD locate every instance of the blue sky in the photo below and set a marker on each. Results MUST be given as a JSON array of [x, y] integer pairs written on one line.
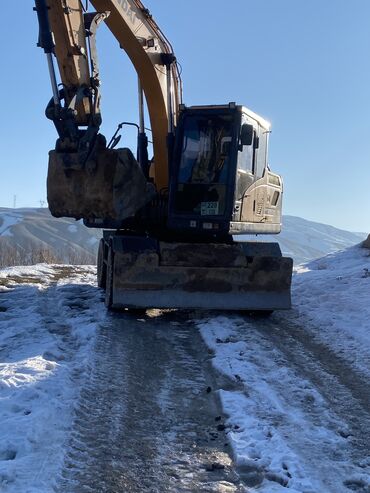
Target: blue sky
[[303, 65]]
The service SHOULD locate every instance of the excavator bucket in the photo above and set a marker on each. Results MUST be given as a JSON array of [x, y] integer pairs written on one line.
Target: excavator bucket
[[112, 187], [143, 273]]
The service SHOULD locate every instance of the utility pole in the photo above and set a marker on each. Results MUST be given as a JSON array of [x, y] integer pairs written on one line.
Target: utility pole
[[14, 201]]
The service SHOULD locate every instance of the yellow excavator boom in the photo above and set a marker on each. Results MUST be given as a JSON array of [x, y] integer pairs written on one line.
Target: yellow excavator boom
[[148, 49]]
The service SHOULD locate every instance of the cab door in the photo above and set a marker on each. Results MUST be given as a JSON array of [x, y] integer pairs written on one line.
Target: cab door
[[261, 202], [246, 169]]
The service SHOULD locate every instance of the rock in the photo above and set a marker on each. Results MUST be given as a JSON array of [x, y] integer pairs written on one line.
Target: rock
[[214, 466], [223, 341], [344, 433], [366, 243]]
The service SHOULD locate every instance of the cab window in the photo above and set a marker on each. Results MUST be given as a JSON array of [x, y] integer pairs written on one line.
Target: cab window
[[261, 153], [245, 158]]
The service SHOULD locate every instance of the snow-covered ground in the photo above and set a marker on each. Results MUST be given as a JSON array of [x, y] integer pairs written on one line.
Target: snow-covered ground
[[300, 416], [8, 220], [44, 353], [294, 388], [333, 295], [72, 228]]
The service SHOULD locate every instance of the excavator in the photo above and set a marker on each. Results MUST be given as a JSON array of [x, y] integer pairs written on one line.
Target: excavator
[[171, 222]]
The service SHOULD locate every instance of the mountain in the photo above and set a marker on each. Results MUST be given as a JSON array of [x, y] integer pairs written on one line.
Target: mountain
[[306, 240], [29, 236]]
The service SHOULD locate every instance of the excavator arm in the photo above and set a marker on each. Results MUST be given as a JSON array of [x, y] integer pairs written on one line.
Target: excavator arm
[[169, 239], [73, 31], [152, 56]]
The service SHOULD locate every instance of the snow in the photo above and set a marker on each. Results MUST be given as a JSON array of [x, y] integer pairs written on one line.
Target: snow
[[44, 347], [36, 271], [332, 295], [305, 240], [254, 412], [72, 228], [92, 241], [283, 429], [284, 420], [7, 221]]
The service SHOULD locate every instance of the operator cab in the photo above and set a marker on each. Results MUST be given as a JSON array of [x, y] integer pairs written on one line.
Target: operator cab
[[220, 182]]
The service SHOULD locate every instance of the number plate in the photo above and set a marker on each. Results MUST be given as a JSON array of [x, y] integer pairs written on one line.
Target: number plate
[[209, 208]]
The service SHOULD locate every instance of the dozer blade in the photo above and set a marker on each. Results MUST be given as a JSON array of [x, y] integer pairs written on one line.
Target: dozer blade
[[206, 276], [112, 188]]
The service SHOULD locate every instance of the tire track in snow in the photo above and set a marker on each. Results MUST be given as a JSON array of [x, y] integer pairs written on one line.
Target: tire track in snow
[[42, 364], [145, 422], [302, 394], [347, 391]]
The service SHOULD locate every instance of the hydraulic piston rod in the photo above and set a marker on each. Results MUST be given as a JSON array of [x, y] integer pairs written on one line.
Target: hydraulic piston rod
[[142, 139], [46, 42]]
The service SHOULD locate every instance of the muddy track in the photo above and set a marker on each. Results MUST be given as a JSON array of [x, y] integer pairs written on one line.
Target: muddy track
[[145, 420], [148, 417], [346, 390]]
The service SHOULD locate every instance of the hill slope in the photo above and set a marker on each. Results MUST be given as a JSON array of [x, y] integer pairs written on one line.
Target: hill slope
[[32, 235], [306, 240]]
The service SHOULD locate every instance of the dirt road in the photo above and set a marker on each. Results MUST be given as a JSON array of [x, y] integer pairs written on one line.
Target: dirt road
[[97, 402], [149, 419]]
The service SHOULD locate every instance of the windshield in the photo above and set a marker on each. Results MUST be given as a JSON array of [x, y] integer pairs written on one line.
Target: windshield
[[206, 149], [204, 165]]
